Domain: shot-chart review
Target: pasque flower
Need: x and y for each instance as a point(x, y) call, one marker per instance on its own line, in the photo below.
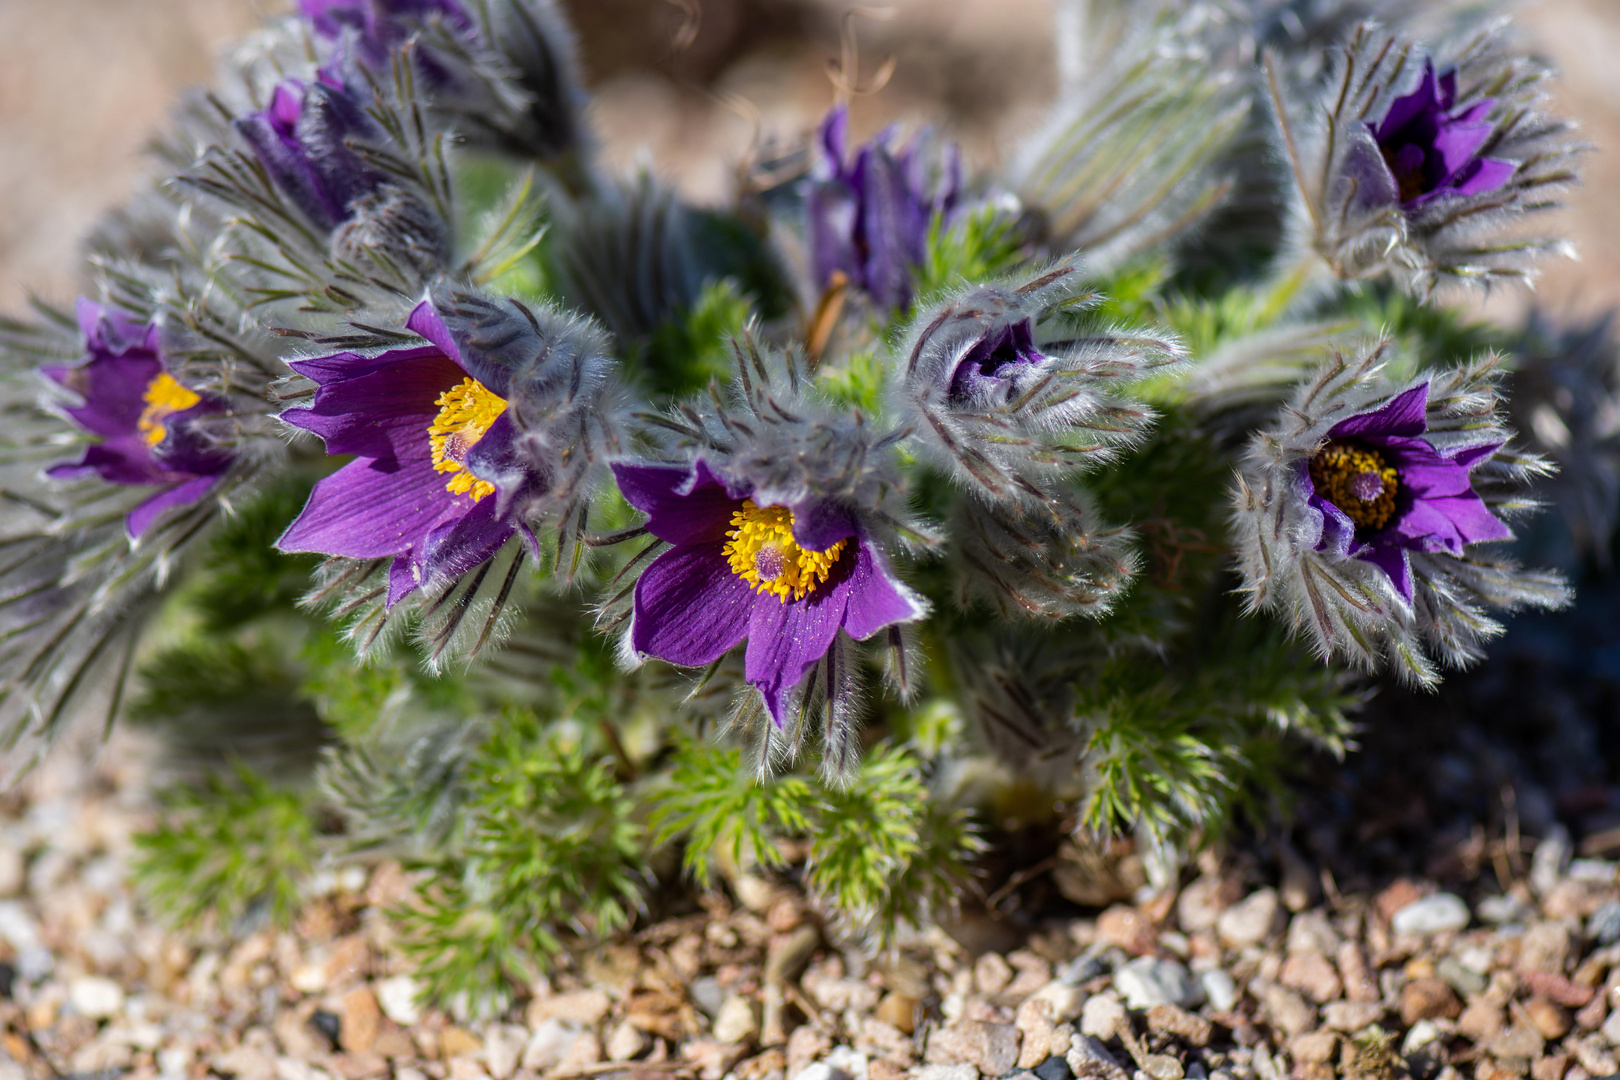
point(869, 215)
point(787, 578)
point(1009, 400)
point(301, 140)
point(1362, 515)
point(426, 425)
point(1383, 491)
point(144, 419)
point(1418, 172)
point(1431, 146)
point(376, 24)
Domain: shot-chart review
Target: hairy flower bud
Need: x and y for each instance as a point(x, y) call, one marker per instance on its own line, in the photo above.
point(1418, 171)
point(1007, 396)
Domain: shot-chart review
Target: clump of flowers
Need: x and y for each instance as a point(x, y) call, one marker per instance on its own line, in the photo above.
point(804, 532)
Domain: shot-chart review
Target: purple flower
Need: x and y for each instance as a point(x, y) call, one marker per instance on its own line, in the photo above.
point(301, 140)
point(426, 426)
point(1432, 149)
point(1382, 491)
point(786, 578)
point(142, 416)
point(869, 218)
point(377, 24)
point(995, 360)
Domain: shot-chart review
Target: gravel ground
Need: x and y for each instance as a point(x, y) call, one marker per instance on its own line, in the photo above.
point(1226, 977)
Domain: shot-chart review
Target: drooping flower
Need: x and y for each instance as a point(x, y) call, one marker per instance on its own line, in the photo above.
point(144, 419)
point(1364, 513)
point(785, 578)
point(426, 425)
point(1431, 146)
point(869, 215)
point(1008, 399)
point(301, 140)
point(1384, 491)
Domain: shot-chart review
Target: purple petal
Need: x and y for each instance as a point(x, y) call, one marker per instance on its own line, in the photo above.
point(114, 390)
point(425, 321)
point(786, 639)
point(690, 609)
point(180, 495)
point(369, 509)
point(1448, 523)
point(1394, 562)
point(347, 365)
point(834, 140)
point(403, 579)
point(381, 415)
point(1405, 109)
point(684, 504)
point(1457, 143)
point(831, 209)
point(818, 524)
point(124, 460)
point(456, 546)
point(1469, 456)
point(877, 599)
point(1402, 415)
point(1485, 174)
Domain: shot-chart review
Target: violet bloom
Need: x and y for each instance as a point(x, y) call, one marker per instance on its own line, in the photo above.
point(301, 142)
point(425, 424)
point(142, 415)
point(869, 218)
point(1432, 150)
point(1383, 491)
point(787, 579)
point(373, 27)
point(991, 363)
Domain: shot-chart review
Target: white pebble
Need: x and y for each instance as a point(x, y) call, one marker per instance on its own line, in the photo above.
point(95, 997)
point(397, 997)
point(1431, 915)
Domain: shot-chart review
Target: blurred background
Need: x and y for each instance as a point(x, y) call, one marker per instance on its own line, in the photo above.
point(686, 86)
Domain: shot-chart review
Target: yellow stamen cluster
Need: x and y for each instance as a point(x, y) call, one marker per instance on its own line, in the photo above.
point(763, 553)
point(164, 397)
point(466, 412)
point(1355, 479)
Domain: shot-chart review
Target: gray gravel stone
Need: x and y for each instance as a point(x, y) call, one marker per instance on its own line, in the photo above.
point(1149, 981)
point(1252, 920)
point(1604, 925)
point(1431, 915)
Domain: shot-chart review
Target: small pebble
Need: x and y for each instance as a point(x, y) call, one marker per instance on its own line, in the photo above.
point(1604, 925)
point(95, 997)
point(1053, 1068)
point(1150, 981)
point(1252, 920)
point(1220, 989)
point(1431, 915)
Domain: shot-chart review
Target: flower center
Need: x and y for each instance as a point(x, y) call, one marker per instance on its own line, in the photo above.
point(466, 412)
point(164, 397)
point(1355, 479)
point(763, 553)
point(1406, 164)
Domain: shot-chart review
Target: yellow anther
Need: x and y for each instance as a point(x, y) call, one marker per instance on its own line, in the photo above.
point(164, 397)
point(1355, 479)
point(466, 412)
point(763, 553)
